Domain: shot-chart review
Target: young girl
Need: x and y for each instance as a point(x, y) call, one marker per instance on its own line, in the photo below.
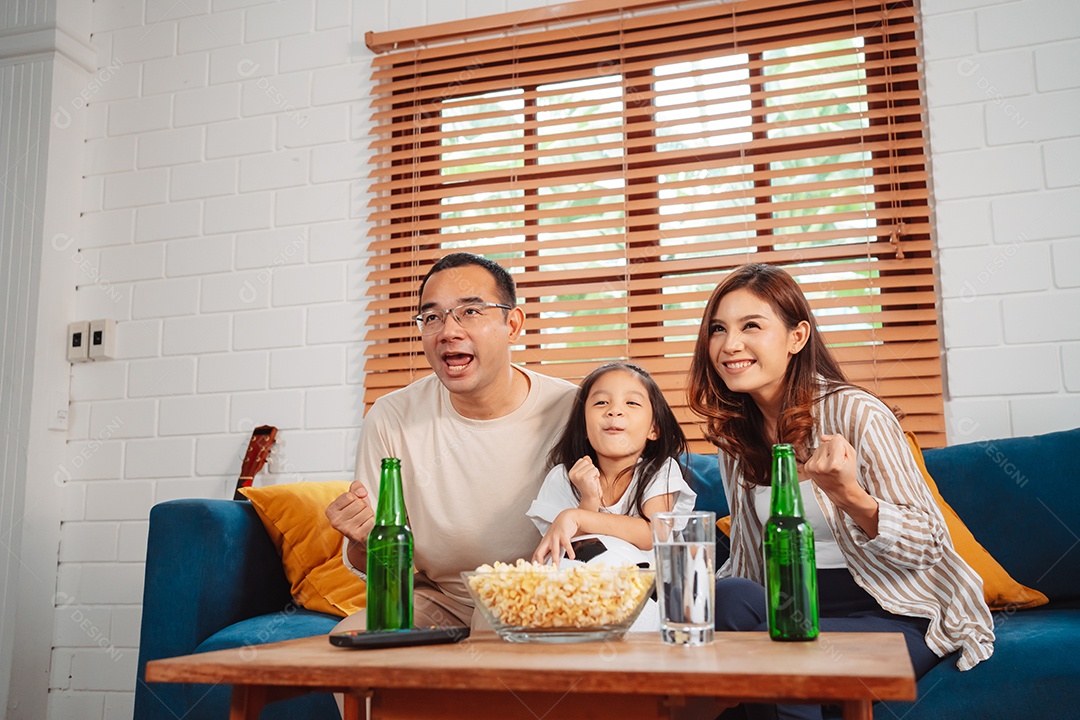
point(614, 465)
point(761, 375)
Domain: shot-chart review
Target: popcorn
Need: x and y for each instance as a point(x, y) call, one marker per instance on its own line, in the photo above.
point(543, 596)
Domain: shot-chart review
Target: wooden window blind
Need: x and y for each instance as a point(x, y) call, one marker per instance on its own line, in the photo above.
point(621, 164)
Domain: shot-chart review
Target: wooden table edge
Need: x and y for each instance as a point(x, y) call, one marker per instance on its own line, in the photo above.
point(228, 667)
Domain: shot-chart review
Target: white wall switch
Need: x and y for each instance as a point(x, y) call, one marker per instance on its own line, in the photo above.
point(78, 341)
point(58, 410)
point(102, 339)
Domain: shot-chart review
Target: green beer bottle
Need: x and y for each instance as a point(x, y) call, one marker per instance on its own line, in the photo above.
point(790, 572)
point(390, 557)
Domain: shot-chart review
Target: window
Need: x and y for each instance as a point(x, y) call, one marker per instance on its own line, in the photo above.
point(620, 165)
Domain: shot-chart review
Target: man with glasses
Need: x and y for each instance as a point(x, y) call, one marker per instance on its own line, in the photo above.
point(473, 440)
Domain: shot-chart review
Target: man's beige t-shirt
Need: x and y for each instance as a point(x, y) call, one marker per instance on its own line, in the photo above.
point(467, 483)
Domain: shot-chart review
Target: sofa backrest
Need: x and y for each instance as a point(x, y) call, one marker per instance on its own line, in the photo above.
point(1020, 497)
point(704, 472)
point(705, 480)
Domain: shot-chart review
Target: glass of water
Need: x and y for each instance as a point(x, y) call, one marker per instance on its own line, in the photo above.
point(685, 546)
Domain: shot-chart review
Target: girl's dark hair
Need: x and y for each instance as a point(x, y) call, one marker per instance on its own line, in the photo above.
point(733, 421)
point(670, 440)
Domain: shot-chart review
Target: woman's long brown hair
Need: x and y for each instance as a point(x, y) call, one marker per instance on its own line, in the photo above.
point(733, 421)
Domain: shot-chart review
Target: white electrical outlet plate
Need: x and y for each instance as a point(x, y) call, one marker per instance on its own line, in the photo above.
point(78, 341)
point(102, 339)
point(58, 410)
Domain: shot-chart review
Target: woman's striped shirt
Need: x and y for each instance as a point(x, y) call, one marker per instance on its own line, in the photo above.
point(910, 568)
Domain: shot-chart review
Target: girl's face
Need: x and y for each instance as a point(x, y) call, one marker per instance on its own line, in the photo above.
point(619, 416)
point(750, 347)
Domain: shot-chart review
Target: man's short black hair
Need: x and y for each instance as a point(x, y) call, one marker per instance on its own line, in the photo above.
point(504, 282)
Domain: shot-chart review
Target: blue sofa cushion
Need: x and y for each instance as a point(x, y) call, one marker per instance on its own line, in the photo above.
point(1015, 496)
point(212, 701)
point(289, 624)
point(1032, 673)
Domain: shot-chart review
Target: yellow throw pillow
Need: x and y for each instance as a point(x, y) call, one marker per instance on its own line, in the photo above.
point(294, 515)
point(999, 588)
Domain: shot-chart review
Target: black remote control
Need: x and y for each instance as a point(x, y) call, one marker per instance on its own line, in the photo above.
point(398, 638)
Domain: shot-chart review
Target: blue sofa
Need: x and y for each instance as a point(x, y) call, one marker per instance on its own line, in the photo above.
point(214, 580)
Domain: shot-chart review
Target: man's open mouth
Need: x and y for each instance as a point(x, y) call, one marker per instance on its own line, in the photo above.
point(457, 360)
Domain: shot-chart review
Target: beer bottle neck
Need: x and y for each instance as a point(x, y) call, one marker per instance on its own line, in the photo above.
point(786, 496)
point(391, 507)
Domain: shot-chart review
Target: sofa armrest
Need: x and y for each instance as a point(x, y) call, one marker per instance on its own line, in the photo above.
point(209, 564)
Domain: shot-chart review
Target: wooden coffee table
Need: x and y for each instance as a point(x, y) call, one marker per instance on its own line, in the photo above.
point(487, 677)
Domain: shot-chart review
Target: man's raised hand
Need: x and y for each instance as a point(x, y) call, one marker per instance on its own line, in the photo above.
point(351, 513)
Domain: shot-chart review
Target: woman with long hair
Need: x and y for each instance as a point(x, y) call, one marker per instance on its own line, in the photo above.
point(761, 375)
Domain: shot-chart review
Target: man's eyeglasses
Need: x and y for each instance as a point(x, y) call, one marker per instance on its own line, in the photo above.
point(432, 321)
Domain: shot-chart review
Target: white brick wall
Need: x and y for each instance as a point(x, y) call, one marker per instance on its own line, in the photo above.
point(171, 74)
point(158, 10)
point(166, 376)
point(166, 222)
point(280, 94)
point(224, 228)
point(1044, 215)
point(144, 187)
point(1003, 97)
point(284, 409)
point(202, 180)
point(233, 372)
point(139, 115)
point(1070, 361)
point(307, 367)
point(199, 256)
point(240, 137)
point(161, 457)
point(235, 291)
point(972, 323)
point(110, 155)
point(1061, 158)
point(206, 105)
point(1028, 23)
point(164, 298)
point(170, 147)
point(270, 171)
point(962, 223)
point(130, 500)
point(207, 32)
point(1055, 64)
point(242, 62)
point(107, 228)
point(239, 212)
point(122, 419)
point(1066, 261)
point(270, 249)
point(270, 329)
point(193, 416)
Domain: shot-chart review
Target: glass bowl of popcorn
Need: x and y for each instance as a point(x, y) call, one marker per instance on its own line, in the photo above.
point(531, 602)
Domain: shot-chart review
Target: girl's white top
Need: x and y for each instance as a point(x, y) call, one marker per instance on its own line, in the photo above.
point(557, 494)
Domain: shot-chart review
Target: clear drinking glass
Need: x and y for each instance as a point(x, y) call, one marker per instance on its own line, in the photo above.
point(685, 545)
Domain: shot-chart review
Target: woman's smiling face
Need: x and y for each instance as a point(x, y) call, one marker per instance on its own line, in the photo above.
point(750, 347)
